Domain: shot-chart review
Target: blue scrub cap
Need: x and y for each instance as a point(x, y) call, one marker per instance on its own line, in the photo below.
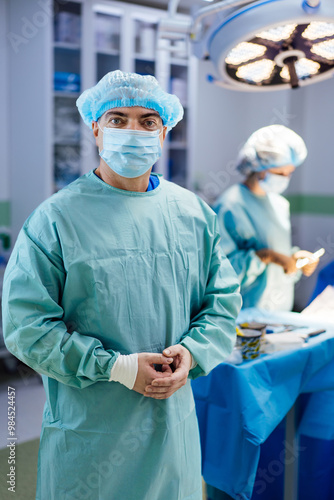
point(270, 147)
point(118, 89)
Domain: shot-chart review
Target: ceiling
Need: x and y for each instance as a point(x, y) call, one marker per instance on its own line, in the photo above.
point(185, 6)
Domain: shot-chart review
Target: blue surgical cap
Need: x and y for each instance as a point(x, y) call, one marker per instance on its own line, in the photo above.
point(119, 90)
point(270, 147)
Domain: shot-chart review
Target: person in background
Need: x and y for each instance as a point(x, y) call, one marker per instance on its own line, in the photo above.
point(118, 294)
point(254, 220)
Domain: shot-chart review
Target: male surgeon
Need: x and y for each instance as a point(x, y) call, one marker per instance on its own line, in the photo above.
point(118, 294)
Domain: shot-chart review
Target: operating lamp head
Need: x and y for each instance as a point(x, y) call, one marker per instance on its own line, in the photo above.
point(272, 44)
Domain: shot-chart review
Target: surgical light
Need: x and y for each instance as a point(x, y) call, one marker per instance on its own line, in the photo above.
point(317, 30)
point(261, 44)
point(245, 52)
point(324, 49)
point(304, 69)
point(283, 55)
point(278, 34)
point(257, 71)
point(267, 44)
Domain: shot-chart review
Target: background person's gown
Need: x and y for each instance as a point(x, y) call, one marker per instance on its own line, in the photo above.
point(98, 271)
point(247, 223)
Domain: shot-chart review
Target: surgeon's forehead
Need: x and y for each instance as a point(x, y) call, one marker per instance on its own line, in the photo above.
point(132, 112)
point(285, 169)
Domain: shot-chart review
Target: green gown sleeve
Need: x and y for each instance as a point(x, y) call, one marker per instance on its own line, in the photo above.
point(32, 317)
point(212, 331)
point(238, 243)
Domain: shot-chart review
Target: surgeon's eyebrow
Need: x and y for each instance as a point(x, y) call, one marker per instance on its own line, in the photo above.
point(120, 113)
point(152, 113)
point(115, 113)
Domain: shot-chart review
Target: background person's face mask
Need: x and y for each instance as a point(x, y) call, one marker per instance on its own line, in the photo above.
point(130, 153)
point(274, 183)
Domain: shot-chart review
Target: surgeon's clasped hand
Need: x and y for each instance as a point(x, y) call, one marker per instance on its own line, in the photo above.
point(164, 387)
point(147, 372)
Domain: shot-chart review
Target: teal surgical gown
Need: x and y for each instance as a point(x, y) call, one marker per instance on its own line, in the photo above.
point(248, 223)
point(97, 271)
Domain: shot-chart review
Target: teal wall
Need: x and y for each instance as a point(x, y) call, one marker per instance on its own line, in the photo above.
point(4, 213)
point(311, 204)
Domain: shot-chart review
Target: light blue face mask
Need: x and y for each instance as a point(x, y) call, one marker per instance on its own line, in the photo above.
point(130, 153)
point(274, 183)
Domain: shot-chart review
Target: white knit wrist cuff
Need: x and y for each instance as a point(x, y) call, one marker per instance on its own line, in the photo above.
point(125, 370)
point(193, 362)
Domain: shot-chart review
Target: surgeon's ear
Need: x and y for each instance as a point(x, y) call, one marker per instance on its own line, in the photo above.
point(162, 136)
point(95, 129)
point(164, 132)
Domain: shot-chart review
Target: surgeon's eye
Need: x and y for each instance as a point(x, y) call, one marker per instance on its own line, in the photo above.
point(151, 125)
point(115, 122)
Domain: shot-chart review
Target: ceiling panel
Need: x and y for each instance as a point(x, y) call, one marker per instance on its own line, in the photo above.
point(184, 5)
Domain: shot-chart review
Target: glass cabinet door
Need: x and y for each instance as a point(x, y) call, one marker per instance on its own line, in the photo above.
point(145, 44)
point(107, 43)
point(178, 136)
point(67, 87)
